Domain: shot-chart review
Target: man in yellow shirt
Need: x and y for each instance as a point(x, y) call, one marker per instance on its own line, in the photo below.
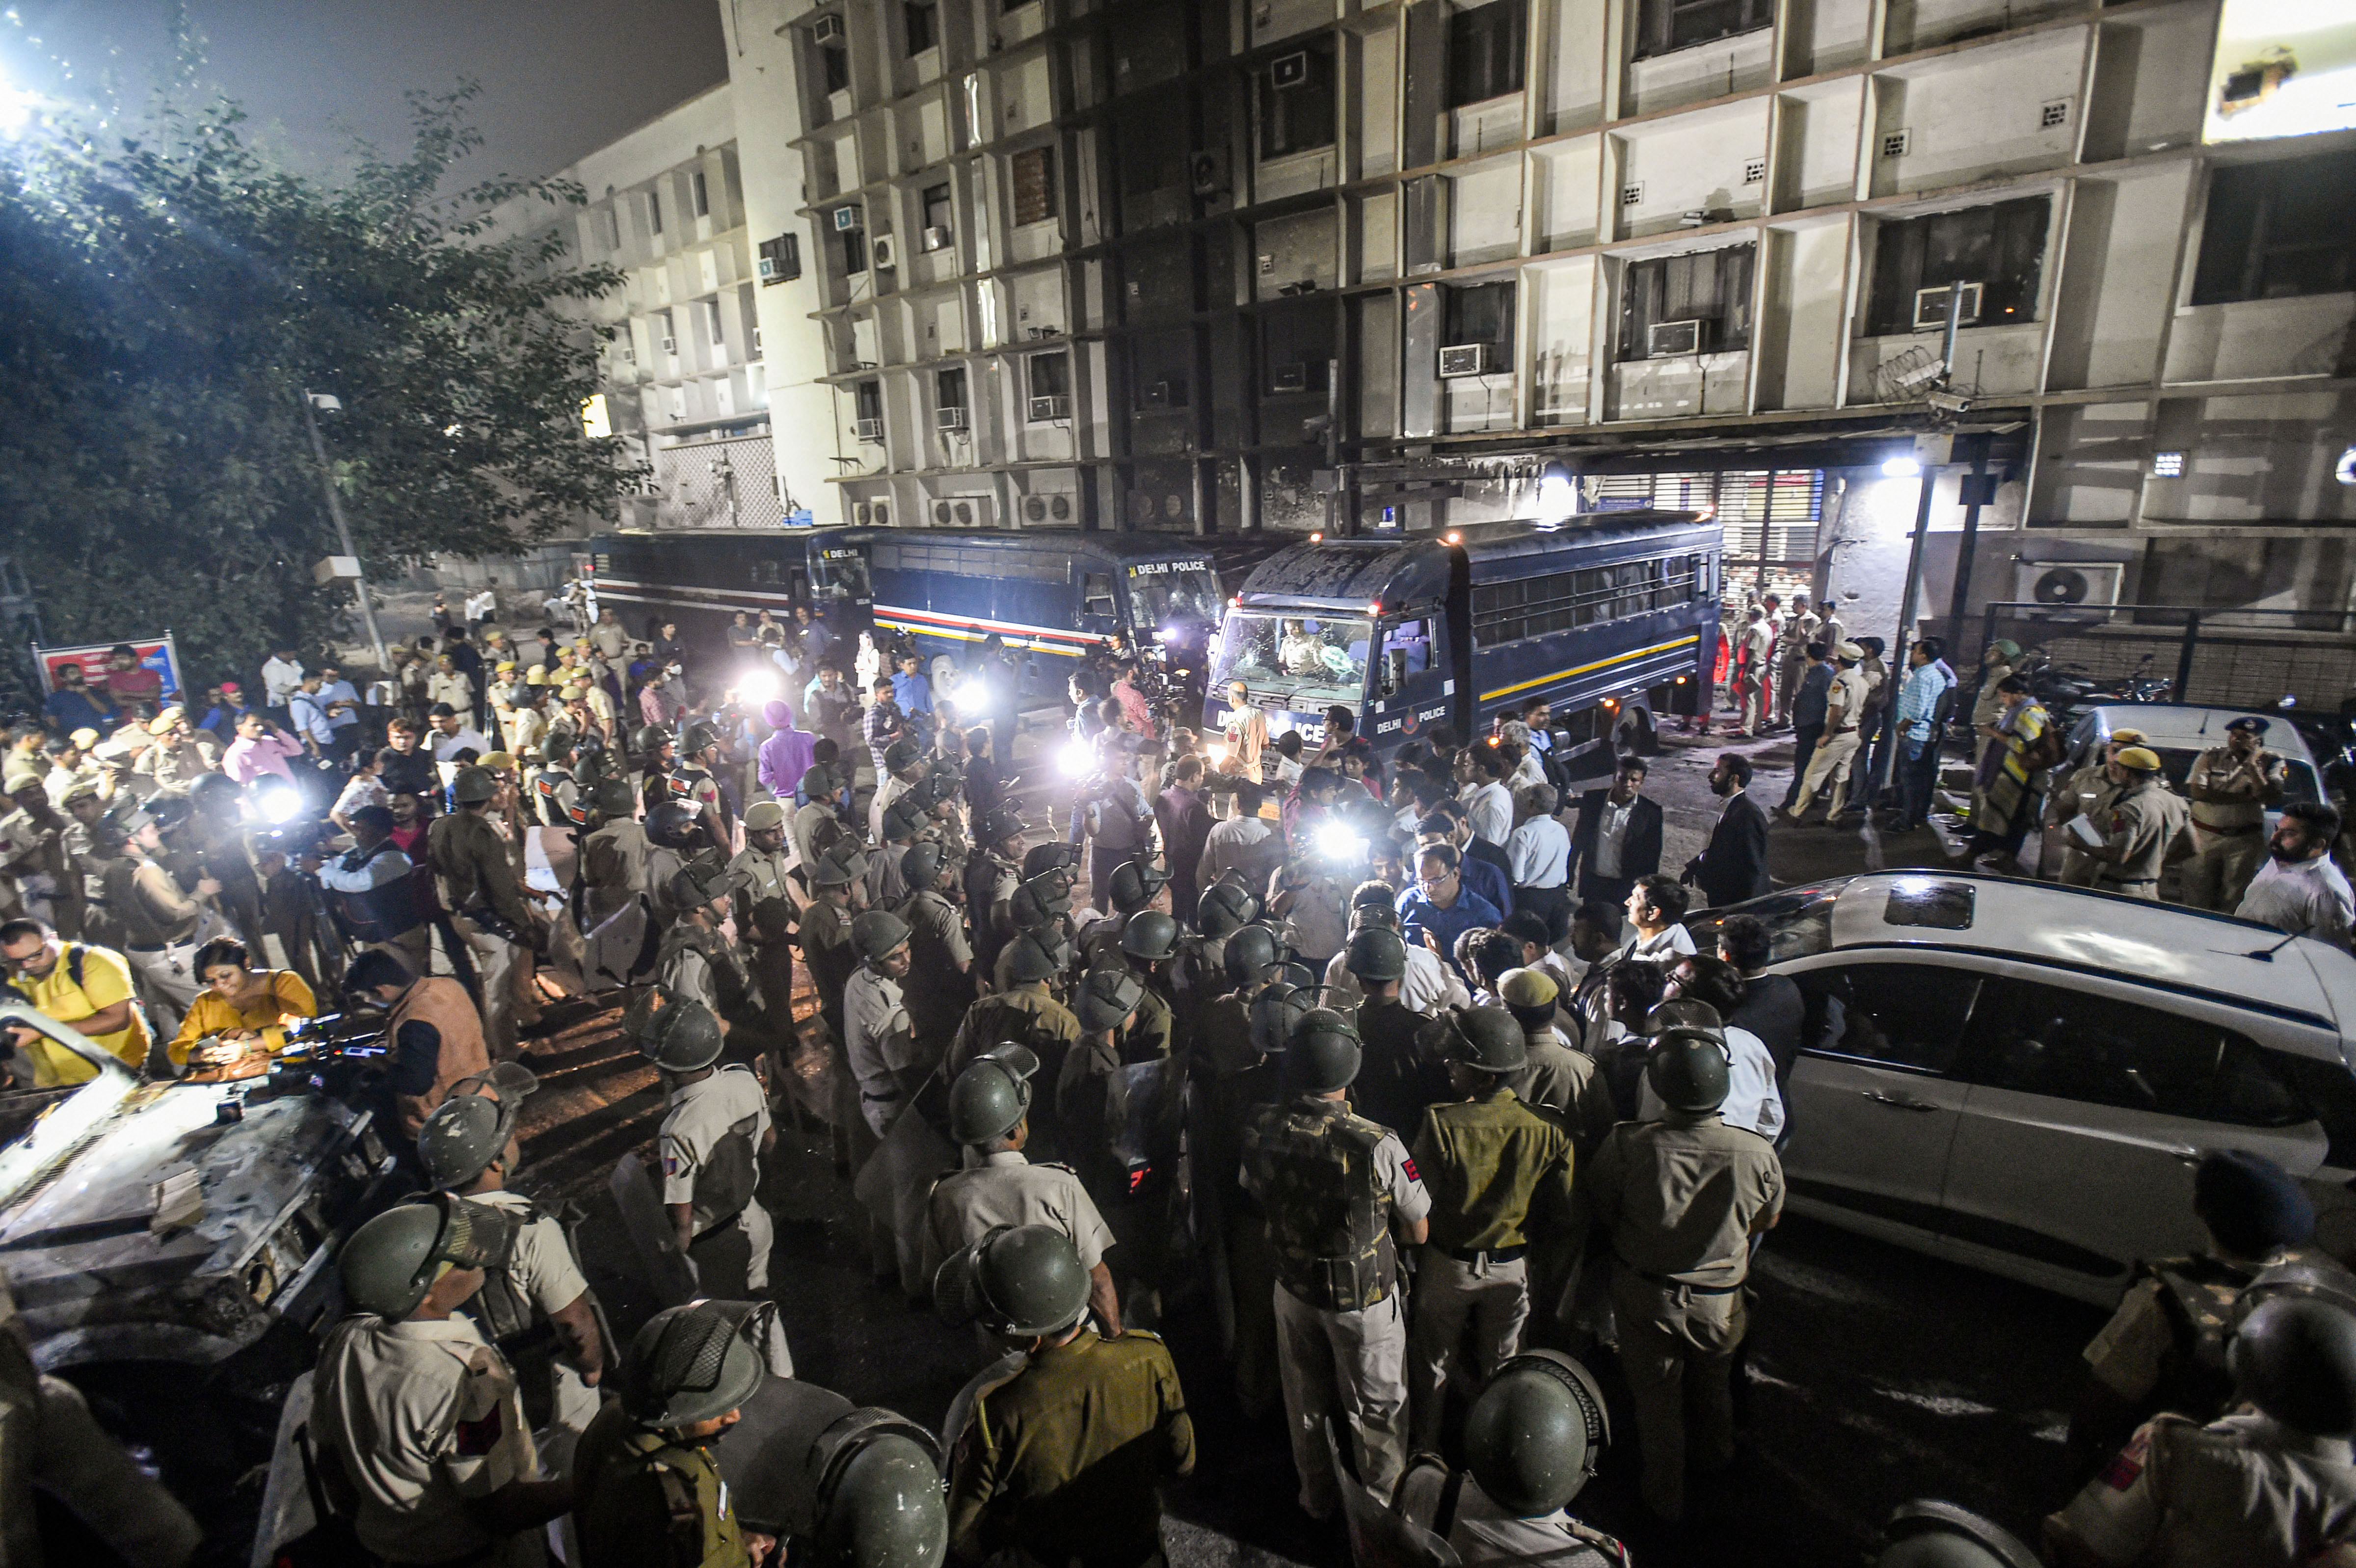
point(240, 1002)
point(88, 988)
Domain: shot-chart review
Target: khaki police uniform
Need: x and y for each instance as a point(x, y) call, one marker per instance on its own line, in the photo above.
point(425, 1418)
point(1565, 1079)
point(1028, 1015)
point(1678, 1199)
point(765, 919)
point(699, 966)
point(540, 1278)
point(1799, 628)
point(991, 881)
point(1061, 1462)
point(2229, 835)
point(877, 1044)
point(1341, 1335)
point(711, 1140)
point(646, 1502)
point(1482, 1533)
point(2145, 819)
point(1494, 1170)
point(1844, 733)
point(889, 787)
point(614, 867)
point(1008, 1188)
point(2088, 793)
point(937, 992)
point(486, 900)
point(2245, 1489)
point(825, 933)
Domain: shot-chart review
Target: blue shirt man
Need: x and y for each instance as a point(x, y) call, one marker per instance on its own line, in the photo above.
point(1440, 906)
point(1816, 689)
point(910, 689)
point(73, 705)
point(334, 690)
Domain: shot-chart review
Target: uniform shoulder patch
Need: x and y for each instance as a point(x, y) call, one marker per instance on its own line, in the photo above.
point(1054, 1165)
point(479, 1436)
point(1407, 1164)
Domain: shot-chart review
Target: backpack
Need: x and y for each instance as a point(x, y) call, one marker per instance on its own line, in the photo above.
point(2047, 751)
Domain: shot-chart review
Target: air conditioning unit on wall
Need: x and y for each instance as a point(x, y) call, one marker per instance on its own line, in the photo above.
point(1464, 359)
point(2065, 584)
point(1930, 306)
point(827, 30)
point(869, 431)
point(949, 417)
point(887, 254)
point(964, 512)
point(1044, 409)
point(1668, 339)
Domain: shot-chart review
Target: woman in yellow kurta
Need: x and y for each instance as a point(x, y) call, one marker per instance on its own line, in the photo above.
point(240, 1003)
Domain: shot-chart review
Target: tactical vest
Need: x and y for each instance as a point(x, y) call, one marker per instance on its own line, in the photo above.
point(548, 788)
point(2198, 1295)
point(697, 1530)
point(731, 984)
point(510, 1319)
point(1327, 1206)
point(730, 1173)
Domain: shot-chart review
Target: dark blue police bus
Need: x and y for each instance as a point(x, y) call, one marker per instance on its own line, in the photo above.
point(1611, 618)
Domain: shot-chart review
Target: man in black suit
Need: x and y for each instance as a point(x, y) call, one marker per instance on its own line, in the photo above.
point(1734, 866)
point(1618, 839)
point(1773, 1006)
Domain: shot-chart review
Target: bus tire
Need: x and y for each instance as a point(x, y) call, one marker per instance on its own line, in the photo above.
point(1636, 735)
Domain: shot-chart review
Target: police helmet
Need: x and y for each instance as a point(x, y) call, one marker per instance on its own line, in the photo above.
point(648, 739)
point(937, 789)
point(2295, 1359)
point(1224, 908)
point(673, 824)
point(474, 785)
point(1930, 1534)
point(821, 781)
point(1042, 899)
point(688, 1364)
point(1377, 954)
point(992, 1096)
point(1035, 955)
point(592, 768)
point(902, 755)
point(1023, 1281)
point(904, 819)
point(700, 884)
point(170, 816)
point(215, 789)
point(1150, 935)
point(389, 1263)
point(999, 826)
point(1488, 1039)
point(1687, 1066)
point(1056, 855)
point(1532, 1437)
point(840, 1486)
point(764, 817)
point(1274, 1012)
point(1321, 1054)
point(1252, 954)
point(700, 738)
point(843, 864)
point(682, 1036)
point(467, 1131)
point(615, 799)
point(878, 933)
point(920, 868)
point(1374, 916)
point(1106, 997)
point(1134, 884)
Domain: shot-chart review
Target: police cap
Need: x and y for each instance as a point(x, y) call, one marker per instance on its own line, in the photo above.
point(1223, 909)
point(1150, 935)
point(474, 785)
point(1377, 954)
point(1134, 884)
point(688, 1364)
point(920, 868)
point(1105, 1000)
point(1023, 1281)
point(764, 817)
point(1321, 1054)
point(992, 1096)
point(1488, 1039)
point(2295, 1359)
point(2247, 724)
point(673, 824)
point(878, 933)
point(1532, 1437)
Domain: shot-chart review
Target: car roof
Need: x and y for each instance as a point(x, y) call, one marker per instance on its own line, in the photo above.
point(2184, 727)
point(2166, 945)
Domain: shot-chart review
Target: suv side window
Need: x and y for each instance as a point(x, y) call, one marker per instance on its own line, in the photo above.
point(1095, 593)
point(2077, 1045)
point(1894, 1015)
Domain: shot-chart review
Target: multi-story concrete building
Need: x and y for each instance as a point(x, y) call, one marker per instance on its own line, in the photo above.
point(1160, 263)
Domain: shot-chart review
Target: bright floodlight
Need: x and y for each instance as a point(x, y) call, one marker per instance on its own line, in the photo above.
point(15, 108)
point(279, 805)
point(1902, 468)
point(1558, 498)
point(1336, 842)
point(759, 685)
point(1076, 758)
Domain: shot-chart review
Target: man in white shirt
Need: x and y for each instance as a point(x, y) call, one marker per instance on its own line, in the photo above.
point(1246, 840)
point(1488, 804)
point(282, 672)
point(452, 734)
point(1702, 990)
point(2299, 889)
point(483, 605)
point(1538, 853)
point(1655, 907)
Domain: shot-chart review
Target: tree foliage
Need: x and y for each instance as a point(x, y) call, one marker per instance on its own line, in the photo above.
point(166, 297)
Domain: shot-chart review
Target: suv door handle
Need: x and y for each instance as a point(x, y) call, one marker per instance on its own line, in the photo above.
point(1880, 1099)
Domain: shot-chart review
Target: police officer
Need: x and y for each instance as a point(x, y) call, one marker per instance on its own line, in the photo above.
point(1061, 1462)
point(904, 822)
point(991, 876)
point(651, 1495)
point(1497, 1173)
point(535, 1304)
point(2089, 792)
point(1042, 906)
point(614, 855)
point(766, 921)
point(1398, 1078)
point(2145, 821)
point(1025, 1011)
point(1135, 886)
point(421, 1412)
point(1559, 1077)
point(697, 962)
point(1532, 1442)
point(940, 961)
point(1149, 942)
point(877, 1040)
point(1338, 1194)
point(479, 887)
point(556, 791)
point(674, 834)
point(696, 781)
point(2276, 1486)
point(657, 751)
point(904, 764)
point(2231, 786)
point(818, 818)
point(1088, 1103)
point(1680, 1200)
point(712, 1138)
point(838, 886)
point(990, 1106)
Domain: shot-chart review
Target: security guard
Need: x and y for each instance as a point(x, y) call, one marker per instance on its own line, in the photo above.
point(1399, 1078)
point(1680, 1200)
point(2090, 793)
point(695, 780)
point(766, 918)
point(940, 961)
point(2231, 786)
point(1339, 1194)
point(838, 884)
point(614, 855)
point(1497, 1173)
point(992, 873)
point(478, 886)
point(535, 1304)
point(712, 1138)
point(697, 962)
point(2145, 821)
point(1560, 1078)
point(2272, 1487)
point(990, 1105)
point(1025, 1011)
point(1136, 886)
point(420, 1413)
point(651, 1495)
point(1532, 1442)
point(555, 792)
point(877, 1042)
point(1062, 1463)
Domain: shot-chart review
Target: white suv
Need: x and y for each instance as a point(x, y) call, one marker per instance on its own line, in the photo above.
point(2021, 1076)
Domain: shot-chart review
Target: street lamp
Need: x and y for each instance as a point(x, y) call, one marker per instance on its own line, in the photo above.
point(313, 405)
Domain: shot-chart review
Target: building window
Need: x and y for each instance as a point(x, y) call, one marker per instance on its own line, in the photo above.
point(1698, 303)
point(855, 249)
point(2278, 229)
point(703, 190)
point(781, 258)
point(1051, 375)
point(711, 322)
point(921, 20)
point(609, 229)
point(1480, 313)
point(1665, 26)
point(936, 217)
point(1034, 185)
point(1535, 607)
point(654, 212)
point(1999, 249)
point(1296, 100)
point(949, 388)
point(834, 67)
point(1485, 46)
point(867, 398)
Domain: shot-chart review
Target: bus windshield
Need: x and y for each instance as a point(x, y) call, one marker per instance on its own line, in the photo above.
point(1309, 661)
point(839, 574)
point(1177, 596)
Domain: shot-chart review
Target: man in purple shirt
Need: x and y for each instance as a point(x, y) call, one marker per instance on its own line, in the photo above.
point(784, 755)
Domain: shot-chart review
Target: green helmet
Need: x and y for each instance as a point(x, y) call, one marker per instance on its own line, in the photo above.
point(840, 1486)
point(2295, 1359)
point(1022, 1281)
point(1045, 896)
point(648, 739)
point(937, 789)
point(470, 1129)
point(474, 785)
point(1687, 1067)
point(1930, 1534)
point(1035, 955)
point(992, 1095)
point(821, 781)
point(1225, 909)
point(1150, 935)
point(614, 798)
point(1534, 1435)
point(1372, 916)
point(904, 819)
point(389, 1263)
point(1253, 953)
point(1274, 1012)
point(902, 755)
point(674, 824)
point(841, 865)
point(682, 1038)
point(1106, 997)
point(877, 935)
point(688, 1364)
point(700, 884)
point(590, 769)
point(1377, 954)
point(1322, 1054)
point(700, 738)
point(1488, 1039)
point(1134, 884)
point(920, 868)
point(1001, 825)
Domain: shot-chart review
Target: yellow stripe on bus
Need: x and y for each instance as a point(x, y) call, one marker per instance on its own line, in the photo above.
point(1586, 669)
point(1011, 640)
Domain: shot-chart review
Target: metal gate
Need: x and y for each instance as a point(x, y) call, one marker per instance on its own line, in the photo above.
point(2217, 659)
point(730, 483)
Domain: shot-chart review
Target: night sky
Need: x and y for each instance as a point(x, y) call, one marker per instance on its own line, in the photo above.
point(559, 76)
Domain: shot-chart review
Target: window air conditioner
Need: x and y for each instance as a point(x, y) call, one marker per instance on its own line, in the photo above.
point(1464, 359)
point(1289, 70)
point(827, 30)
point(768, 269)
point(1207, 172)
point(1294, 377)
point(1664, 339)
point(846, 218)
point(1930, 306)
point(868, 431)
point(937, 237)
point(1050, 408)
point(948, 417)
point(2067, 584)
point(671, 344)
point(886, 255)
